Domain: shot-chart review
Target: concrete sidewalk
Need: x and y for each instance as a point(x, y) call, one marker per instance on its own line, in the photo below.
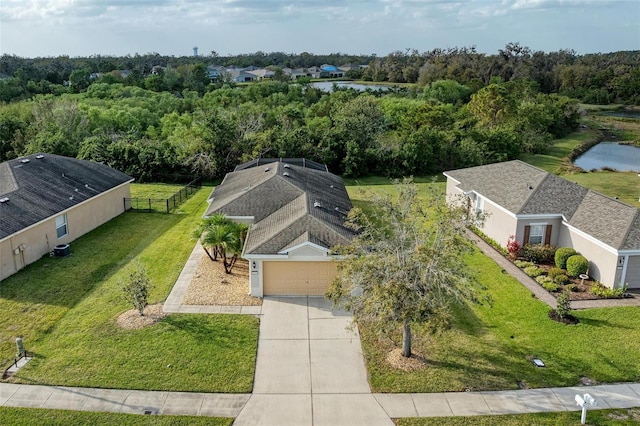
point(317, 409)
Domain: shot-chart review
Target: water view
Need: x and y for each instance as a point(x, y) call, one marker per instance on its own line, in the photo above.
point(327, 86)
point(623, 114)
point(612, 155)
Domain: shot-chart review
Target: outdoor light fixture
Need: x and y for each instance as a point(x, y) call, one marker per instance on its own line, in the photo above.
point(583, 401)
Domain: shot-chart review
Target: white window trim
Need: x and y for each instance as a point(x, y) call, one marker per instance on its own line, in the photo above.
point(544, 231)
point(64, 225)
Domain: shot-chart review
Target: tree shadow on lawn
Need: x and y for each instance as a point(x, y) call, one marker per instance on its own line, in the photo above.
point(95, 257)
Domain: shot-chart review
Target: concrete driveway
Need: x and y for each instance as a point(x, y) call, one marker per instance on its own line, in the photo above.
point(310, 369)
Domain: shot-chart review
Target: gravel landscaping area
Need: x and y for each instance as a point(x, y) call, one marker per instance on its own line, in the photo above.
point(212, 286)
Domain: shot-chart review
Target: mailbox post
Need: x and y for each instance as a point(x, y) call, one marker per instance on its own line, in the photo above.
point(584, 401)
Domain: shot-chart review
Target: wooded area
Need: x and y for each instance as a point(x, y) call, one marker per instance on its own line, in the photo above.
point(464, 109)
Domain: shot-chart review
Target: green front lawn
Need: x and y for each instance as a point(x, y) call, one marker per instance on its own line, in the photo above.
point(31, 416)
point(66, 311)
point(491, 346)
point(617, 417)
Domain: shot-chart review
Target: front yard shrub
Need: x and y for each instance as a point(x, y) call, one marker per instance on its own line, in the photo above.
point(561, 256)
point(572, 287)
point(533, 271)
point(561, 279)
point(577, 264)
point(513, 247)
point(523, 263)
point(538, 253)
point(547, 283)
point(605, 292)
point(563, 305)
point(554, 272)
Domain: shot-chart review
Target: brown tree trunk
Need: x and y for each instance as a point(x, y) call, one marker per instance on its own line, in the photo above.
point(406, 339)
point(208, 254)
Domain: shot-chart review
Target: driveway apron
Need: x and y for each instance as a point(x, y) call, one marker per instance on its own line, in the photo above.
point(310, 368)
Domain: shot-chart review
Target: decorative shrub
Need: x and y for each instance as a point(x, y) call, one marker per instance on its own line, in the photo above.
point(607, 293)
point(572, 287)
point(523, 263)
point(563, 305)
point(541, 279)
point(551, 287)
point(561, 279)
point(538, 253)
point(533, 271)
point(561, 256)
point(554, 272)
point(577, 264)
point(513, 247)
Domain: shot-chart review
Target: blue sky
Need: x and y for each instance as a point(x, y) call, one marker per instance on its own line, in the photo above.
point(32, 28)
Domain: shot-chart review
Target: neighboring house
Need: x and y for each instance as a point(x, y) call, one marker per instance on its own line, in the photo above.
point(214, 72)
point(541, 208)
point(48, 200)
point(295, 210)
point(262, 73)
point(334, 72)
point(240, 76)
point(317, 72)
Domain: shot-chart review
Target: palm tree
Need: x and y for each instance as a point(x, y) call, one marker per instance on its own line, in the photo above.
point(224, 237)
point(203, 229)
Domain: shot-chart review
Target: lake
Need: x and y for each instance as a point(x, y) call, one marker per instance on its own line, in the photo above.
point(623, 114)
point(613, 155)
point(327, 86)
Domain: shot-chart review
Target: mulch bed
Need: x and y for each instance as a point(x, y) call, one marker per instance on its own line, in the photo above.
point(567, 319)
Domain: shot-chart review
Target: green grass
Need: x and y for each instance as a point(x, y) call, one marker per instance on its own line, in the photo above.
point(479, 352)
point(159, 191)
point(32, 416)
point(624, 185)
point(554, 159)
point(66, 309)
point(609, 417)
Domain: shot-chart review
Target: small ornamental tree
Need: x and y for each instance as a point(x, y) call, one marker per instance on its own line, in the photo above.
point(136, 288)
point(513, 247)
point(577, 265)
point(563, 305)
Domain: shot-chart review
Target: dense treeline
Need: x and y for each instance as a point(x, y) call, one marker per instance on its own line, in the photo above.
point(151, 134)
point(592, 78)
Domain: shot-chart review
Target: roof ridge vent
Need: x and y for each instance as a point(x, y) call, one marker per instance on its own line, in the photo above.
point(317, 204)
point(266, 169)
point(4, 200)
point(286, 166)
point(25, 160)
point(286, 174)
point(40, 156)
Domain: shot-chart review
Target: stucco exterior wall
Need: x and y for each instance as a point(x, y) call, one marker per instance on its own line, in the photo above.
point(602, 262)
point(556, 225)
point(40, 239)
point(498, 224)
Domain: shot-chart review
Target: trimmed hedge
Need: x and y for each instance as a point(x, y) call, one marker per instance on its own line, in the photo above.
point(561, 256)
point(576, 265)
point(538, 253)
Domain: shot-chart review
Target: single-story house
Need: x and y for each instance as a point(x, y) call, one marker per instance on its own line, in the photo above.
point(541, 208)
point(295, 209)
point(240, 76)
point(47, 201)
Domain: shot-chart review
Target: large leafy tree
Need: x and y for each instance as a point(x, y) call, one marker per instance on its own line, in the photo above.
point(406, 264)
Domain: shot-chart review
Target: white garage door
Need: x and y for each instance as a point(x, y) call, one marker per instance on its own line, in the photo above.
point(297, 278)
point(633, 272)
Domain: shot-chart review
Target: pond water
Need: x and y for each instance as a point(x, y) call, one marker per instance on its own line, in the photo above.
point(327, 86)
point(613, 155)
point(623, 114)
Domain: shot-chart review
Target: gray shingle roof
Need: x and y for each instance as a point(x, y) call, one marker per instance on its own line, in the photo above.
point(527, 190)
point(291, 204)
point(48, 184)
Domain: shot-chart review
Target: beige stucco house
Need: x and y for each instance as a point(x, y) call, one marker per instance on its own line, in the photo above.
point(541, 208)
point(295, 210)
point(47, 201)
